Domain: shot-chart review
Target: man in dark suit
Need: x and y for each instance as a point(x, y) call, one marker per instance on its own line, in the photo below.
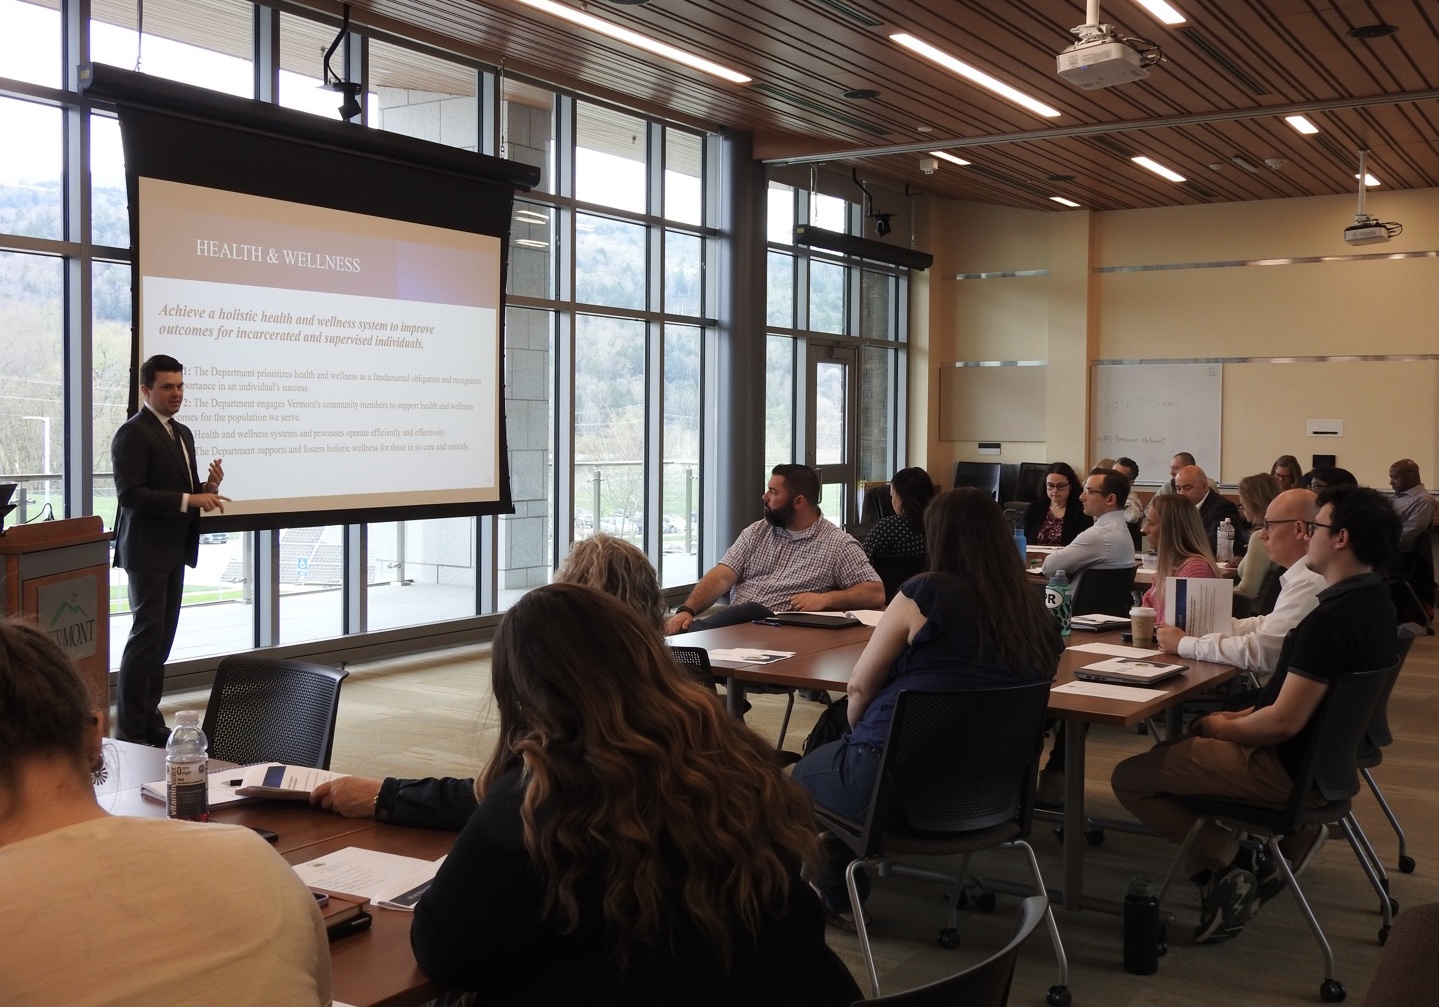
point(1193, 484)
point(157, 533)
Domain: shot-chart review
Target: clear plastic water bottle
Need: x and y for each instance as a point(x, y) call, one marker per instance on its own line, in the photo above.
point(1057, 598)
point(1142, 936)
point(1225, 541)
point(1021, 544)
point(187, 769)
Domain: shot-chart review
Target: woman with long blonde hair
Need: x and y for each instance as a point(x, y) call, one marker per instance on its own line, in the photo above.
point(1172, 522)
point(633, 843)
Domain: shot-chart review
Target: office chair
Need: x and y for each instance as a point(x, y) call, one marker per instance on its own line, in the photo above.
point(271, 710)
point(956, 777)
point(696, 661)
point(983, 985)
point(1328, 767)
point(895, 570)
point(980, 475)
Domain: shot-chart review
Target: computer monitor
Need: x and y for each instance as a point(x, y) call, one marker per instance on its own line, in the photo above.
point(981, 475)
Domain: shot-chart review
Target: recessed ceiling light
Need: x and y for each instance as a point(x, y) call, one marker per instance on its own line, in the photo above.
point(1162, 11)
point(1065, 202)
point(1368, 31)
point(948, 157)
point(1369, 180)
point(1158, 169)
point(963, 69)
point(1302, 124)
point(634, 38)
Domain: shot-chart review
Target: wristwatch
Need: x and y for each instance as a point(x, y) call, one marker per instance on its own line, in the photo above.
point(687, 610)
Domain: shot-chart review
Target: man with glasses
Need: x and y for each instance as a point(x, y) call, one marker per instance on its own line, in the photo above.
point(1253, 755)
point(1253, 644)
point(1106, 544)
point(1195, 487)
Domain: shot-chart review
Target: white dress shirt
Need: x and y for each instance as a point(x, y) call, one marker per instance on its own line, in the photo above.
point(1105, 545)
point(1253, 644)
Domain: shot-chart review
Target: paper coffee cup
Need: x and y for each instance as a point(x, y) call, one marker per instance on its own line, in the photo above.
point(1141, 620)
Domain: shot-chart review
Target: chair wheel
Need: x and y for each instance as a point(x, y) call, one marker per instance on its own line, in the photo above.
point(985, 903)
point(1383, 936)
point(1058, 996)
point(949, 938)
point(1393, 906)
point(1094, 837)
point(1406, 865)
point(1331, 991)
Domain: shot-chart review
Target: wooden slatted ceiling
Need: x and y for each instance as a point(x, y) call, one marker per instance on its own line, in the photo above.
point(1231, 54)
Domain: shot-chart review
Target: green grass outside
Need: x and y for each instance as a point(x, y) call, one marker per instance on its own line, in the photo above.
point(199, 594)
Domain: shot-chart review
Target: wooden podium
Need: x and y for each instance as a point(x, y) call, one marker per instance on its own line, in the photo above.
point(56, 574)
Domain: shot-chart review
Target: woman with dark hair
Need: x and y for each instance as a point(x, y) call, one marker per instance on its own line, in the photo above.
point(1058, 516)
point(633, 844)
point(1287, 471)
point(98, 909)
point(902, 533)
point(1172, 524)
point(972, 621)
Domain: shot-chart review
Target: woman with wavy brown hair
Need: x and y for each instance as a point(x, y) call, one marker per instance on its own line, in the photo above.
point(1172, 523)
point(633, 843)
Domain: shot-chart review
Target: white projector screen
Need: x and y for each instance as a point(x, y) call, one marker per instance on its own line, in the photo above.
point(335, 361)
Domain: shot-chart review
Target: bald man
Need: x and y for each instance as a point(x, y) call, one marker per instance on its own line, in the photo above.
point(1412, 502)
point(1193, 485)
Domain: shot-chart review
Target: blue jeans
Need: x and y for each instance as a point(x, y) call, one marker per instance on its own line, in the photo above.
point(840, 776)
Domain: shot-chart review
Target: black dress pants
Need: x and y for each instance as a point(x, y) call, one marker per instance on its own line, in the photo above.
point(155, 610)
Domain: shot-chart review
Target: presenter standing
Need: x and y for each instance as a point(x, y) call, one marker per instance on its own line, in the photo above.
point(157, 534)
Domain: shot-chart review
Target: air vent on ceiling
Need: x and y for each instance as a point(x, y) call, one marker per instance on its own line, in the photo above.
point(1199, 190)
point(1112, 146)
point(1344, 157)
point(1223, 62)
point(857, 16)
point(1003, 179)
point(818, 109)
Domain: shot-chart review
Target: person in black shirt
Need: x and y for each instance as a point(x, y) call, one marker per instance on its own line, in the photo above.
point(1252, 755)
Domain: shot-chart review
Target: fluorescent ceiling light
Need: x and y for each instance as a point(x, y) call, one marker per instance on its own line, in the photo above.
point(1369, 180)
point(1065, 202)
point(532, 216)
point(1162, 11)
point(947, 157)
point(1158, 169)
point(1302, 124)
point(634, 38)
point(963, 69)
point(532, 243)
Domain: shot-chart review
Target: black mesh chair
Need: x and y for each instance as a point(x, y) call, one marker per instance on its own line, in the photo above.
point(1104, 592)
point(1371, 753)
point(1328, 769)
point(696, 661)
point(895, 570)
point(983, 985)
point(956, 777)
point(269, 710)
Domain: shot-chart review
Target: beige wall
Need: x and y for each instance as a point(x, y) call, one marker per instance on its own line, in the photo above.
point(1074, 314)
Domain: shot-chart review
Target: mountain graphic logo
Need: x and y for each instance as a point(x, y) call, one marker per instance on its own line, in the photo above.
point(68, 610)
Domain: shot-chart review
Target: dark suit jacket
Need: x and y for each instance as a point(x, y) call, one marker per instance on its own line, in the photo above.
point(1075, 520)
point(151, 532)
point(1213, 511)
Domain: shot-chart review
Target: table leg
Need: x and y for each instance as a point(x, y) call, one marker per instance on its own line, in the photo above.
point(734, 698)
point(1072, 874)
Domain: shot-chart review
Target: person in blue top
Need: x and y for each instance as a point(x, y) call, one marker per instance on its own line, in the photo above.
point(971, 621)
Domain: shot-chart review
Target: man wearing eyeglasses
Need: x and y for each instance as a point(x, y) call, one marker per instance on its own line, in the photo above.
point(1254, 755)
point(1254, 644)
point(1106, 544)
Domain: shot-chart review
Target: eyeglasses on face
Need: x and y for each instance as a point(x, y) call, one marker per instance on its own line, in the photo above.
point(1309, 526)
point(1270, 525)
point(1056, 486)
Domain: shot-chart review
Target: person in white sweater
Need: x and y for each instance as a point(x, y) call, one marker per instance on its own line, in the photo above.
point(102, 911)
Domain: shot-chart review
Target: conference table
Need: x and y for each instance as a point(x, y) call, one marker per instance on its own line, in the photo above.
point(824, 658)
point(372, 968)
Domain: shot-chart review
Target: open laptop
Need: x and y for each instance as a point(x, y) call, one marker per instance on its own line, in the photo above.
point(1129, 671)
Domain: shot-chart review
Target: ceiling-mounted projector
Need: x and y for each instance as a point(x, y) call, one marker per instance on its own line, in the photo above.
point(1092, 65)
point(1367, 230)
point(1102, 57)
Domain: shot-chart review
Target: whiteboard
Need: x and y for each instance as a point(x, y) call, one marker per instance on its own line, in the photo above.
point(1151, 412)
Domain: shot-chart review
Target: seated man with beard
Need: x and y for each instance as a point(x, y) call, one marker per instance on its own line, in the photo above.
point(791, 561)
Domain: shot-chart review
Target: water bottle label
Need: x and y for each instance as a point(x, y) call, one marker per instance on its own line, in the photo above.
point(181, 773)
point(187, 792)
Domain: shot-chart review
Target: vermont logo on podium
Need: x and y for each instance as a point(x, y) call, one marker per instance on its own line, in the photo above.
point(65, 611)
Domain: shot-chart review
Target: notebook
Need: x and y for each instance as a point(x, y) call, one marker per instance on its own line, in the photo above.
point(1129, 671)
point(822, 620)
point(1099, 623)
